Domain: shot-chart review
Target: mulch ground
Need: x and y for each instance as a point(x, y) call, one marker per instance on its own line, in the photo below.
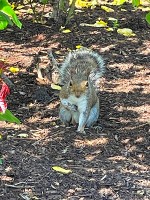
point(111, 161)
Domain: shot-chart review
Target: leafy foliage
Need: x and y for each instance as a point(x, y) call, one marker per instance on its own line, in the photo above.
point(8, 116)
point(5, 114)
point(7, 15)
point(148, 18)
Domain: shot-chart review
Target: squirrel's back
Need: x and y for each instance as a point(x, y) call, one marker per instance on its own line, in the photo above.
point(82, 62)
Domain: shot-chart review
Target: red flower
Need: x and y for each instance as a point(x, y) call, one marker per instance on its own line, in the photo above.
point(3, 94)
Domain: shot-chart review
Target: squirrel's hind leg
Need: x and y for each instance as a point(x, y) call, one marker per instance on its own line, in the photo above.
point(94, 114)
point(65, 115)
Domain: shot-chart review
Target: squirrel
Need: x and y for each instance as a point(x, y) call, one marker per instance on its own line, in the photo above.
point(79, 103)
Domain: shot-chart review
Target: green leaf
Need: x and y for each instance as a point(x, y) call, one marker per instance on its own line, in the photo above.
point(70, 11)
point(148, 18)
point(6, 17)
point(135, 3)
point(44, 1)
point(7, 10)
point(9, 117)
point(3, 23)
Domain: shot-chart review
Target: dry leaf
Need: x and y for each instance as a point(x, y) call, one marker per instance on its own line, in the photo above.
point(55, 87)
point(23, 135)
point(66, 31)
point(107, 9)
point(109, 29)
point(126, 32)
point(61, 170)
point(82, 4)
point(101, 23)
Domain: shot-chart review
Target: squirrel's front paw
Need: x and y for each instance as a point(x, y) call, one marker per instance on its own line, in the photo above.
point(81, 130)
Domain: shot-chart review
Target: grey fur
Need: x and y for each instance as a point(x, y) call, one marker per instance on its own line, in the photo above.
point(90, 60)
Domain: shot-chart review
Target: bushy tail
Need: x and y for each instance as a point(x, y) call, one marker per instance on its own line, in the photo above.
point(87, 61)
point(83, 61)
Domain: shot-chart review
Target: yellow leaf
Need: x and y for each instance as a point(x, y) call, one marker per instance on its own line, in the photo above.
point(1, 136)
point(13, 5)
point(101, 23)
point(17, 12)
point(118, 2)
point(83, 4)
point(14, 69)
point(79, 46)
point(66, 31)
point(61, 170)
point(126, 32)
point(109, 29)
point(55, 87)
point(20, 6)
point(107, 9)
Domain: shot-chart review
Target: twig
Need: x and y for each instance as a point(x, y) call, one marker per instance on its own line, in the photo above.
point(18, 187)
point(25, 139)
point(81, 195)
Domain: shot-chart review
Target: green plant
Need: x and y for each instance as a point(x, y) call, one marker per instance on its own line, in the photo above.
point(5, 114)
point(7, 15)
point(63, 10)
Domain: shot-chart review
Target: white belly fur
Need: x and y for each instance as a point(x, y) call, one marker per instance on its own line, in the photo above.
point(80, 102)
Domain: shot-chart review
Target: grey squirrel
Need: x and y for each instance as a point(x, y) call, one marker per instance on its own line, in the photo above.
point(79, 102)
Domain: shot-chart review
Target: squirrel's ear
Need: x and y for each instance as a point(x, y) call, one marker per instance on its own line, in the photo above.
point(86, 84)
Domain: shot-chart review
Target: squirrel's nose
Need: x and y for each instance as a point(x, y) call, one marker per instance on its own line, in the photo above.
point(78, 95)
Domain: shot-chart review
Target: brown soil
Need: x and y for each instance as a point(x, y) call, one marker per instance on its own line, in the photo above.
point(110, 162)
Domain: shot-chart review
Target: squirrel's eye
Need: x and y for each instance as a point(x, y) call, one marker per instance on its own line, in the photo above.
point(71, 83)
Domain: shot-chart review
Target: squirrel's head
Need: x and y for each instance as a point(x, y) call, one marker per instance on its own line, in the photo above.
point(77, 87)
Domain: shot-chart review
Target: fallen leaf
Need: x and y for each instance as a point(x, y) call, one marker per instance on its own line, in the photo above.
point(126, 32)
point(14, 69)
point(55, 87)
point(83, 4)
point(61, 170)
point(23, 135)
point(118, 2)
point(101, 23)
point(109, 29)
point(79, 46)
point(66, 31)
point(107, 9)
